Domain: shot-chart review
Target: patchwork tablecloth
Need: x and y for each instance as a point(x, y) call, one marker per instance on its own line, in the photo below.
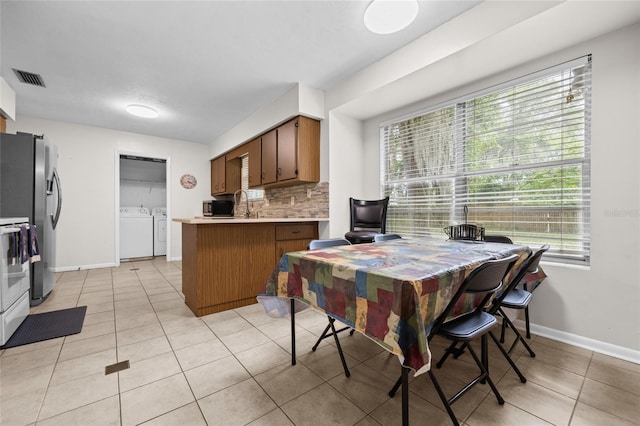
point(391, 291)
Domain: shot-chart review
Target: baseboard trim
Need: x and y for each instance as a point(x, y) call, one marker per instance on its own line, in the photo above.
point(83, 267)
point(605, 348)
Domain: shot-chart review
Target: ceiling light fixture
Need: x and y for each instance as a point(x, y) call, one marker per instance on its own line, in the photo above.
point(390, 16)
point(142, 111)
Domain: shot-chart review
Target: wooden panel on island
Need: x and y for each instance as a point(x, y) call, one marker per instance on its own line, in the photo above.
point(225, 265)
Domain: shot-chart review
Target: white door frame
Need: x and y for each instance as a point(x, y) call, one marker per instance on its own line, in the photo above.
point(116, 212)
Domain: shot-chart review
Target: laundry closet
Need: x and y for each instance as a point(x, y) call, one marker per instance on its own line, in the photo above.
point(143, 207)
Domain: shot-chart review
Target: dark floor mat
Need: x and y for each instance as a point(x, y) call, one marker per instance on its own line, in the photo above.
point(48, 325)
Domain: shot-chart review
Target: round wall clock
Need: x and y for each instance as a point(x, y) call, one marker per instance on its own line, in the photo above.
point(188, 181)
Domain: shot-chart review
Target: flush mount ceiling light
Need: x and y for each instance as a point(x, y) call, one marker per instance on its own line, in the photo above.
point(142, 111)
point(390, 16)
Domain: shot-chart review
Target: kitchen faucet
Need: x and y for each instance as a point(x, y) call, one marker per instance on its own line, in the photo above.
point(248, 212)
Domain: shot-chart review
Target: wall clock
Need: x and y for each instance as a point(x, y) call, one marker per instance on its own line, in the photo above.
point(188, 181)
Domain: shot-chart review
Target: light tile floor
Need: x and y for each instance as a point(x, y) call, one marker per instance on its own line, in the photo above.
point(233, 368)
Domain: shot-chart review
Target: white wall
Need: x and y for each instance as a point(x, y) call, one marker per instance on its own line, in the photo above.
point(143, 194)
point(597, 306)
point(345, 170)
point(86, 236)
point(299, 100)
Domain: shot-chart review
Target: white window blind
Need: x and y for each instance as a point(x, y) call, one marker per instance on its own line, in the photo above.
point(518, 156)
point(253, 194)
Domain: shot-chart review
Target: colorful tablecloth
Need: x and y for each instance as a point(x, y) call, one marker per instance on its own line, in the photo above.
point(391, 291)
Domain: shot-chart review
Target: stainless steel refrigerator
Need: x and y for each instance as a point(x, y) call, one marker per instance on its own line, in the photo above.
point(30, 187)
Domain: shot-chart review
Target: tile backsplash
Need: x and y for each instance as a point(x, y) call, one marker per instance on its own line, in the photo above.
point(307, 200)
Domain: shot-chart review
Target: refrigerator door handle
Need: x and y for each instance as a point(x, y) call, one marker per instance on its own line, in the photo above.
point(54, 219)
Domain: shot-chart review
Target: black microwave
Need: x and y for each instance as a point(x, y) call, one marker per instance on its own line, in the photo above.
point(223, 208)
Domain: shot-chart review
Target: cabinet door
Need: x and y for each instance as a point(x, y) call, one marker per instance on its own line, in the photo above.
point(218, 175)
point(283, 247)
point(255, 163)
point(269, 157)
point(288, 151)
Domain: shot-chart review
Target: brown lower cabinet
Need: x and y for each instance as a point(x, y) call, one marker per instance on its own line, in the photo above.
point(225, 265)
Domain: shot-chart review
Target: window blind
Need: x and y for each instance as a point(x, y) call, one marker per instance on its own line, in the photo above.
point(253, 194)
point(517, 155)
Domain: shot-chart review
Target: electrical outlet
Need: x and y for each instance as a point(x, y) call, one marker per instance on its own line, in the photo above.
point(266, 202)
point(308, 192)
point(293, 200)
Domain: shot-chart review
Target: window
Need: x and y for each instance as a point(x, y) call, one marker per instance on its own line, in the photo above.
point(253, 194)
point(517, 156)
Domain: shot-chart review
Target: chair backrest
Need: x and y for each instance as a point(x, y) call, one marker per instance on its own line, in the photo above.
point(534, 258)
point(370, 214)
point(533, 266)
point(332, 242)
point(385, 237)
point(498, 239)
point(485, 278)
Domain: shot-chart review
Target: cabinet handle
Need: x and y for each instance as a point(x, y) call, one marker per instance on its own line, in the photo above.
point(295, 232)
point(279, 171)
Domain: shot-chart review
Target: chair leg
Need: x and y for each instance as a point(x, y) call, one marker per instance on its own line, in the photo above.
point(519, 337)
point(503, 329)
point(508, 358)
point(484, 354)
point(459, 351)
point(485, 375)
point(395, 387)
point(405, 386)
point(443, 398)
point(526, 319)
point(335, 336)
point(446, 354)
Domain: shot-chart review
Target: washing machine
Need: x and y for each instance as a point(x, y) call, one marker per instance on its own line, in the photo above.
point(136, 232)
point(159, 231)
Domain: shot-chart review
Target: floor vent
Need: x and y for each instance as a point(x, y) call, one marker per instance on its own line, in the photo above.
point(114, 368)
point(29, 78)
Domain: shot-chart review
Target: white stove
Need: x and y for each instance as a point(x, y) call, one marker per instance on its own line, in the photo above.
point(14, 277)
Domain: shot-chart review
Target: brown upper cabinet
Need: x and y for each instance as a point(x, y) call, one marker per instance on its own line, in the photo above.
point(291, 153)
point(269, 157)
point(255, 163)
point(284, 156)
point(225, 175)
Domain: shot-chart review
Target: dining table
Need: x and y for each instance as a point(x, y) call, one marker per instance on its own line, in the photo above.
point(392, 292)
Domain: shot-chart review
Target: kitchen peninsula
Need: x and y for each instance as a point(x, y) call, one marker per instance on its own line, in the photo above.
point(226, 261)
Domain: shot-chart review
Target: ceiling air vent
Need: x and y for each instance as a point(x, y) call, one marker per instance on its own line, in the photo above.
point(29, 78)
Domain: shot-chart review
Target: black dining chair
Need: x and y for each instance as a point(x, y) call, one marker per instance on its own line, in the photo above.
point(506, 240)
point(386, 237)
point(320, 244)
point(533, 268)
point(368, 218)
point(484, 279)
point(517, 298)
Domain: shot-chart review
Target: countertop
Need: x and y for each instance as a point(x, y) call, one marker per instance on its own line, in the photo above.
point(200, 220)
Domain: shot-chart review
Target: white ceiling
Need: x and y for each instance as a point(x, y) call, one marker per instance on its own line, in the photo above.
point(205, 65)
